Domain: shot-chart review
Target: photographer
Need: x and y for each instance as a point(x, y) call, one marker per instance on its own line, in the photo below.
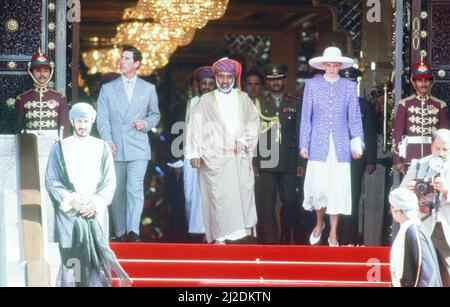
point(437, 223)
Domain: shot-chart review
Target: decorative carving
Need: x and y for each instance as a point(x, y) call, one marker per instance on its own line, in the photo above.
point(51, 7)
point(254, 47)
point(51, 26)
point(27, 37)
point(441, 90)
point(13, 85)
point(349, 15)
point(440, 40)
point(10, 102)
point(12, 25)
point(17, 47)
point(416, 33)
point(12, 65)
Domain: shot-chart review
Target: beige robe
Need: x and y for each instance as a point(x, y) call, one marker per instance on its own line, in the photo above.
point(226, 179)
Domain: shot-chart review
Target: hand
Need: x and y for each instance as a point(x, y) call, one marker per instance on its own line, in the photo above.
point(196, 163)
point(411, 186)
point(399, 167)
point(240, 147)
point(440, 185)
point(304, 153)
point(356, 156)
point(112, 147)
point(88, 210)
point(139, 124)
point(178, 172)
point(256, 171)
point(370, 168)
point(300, 171)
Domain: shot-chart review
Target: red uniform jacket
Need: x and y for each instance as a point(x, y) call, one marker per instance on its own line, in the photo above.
point(43, 110)
point(416, 119)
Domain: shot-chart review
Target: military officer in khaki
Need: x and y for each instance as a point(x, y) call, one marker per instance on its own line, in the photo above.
point(416, 118)
point(278, 162)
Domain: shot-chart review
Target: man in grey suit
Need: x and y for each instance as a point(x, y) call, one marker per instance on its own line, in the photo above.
point(127, 110)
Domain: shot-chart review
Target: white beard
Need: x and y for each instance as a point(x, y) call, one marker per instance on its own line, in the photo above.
point(223, 90)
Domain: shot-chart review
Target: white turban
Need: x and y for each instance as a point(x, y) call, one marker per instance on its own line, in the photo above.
point(81, 110)
point(405, 200)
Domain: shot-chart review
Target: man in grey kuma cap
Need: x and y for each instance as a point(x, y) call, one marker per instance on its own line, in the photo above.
point(80, 179)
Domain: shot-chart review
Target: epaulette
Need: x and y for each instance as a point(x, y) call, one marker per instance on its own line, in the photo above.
point(442, 102)
point(20, 95)
point(405, 100)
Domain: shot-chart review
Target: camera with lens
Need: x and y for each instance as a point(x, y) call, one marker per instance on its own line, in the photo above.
point(423, 186)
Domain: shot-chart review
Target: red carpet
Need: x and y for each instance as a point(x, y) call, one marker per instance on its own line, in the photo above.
point(201, 265)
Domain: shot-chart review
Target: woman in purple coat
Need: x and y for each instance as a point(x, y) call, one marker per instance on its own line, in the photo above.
point(331, 133)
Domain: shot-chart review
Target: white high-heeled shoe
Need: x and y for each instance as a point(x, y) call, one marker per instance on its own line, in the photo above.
point(316, 240)
point(331, 244)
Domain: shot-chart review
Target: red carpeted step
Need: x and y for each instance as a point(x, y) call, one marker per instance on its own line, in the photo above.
point(249, 252)
point(251, 271)
point(252, 284)
point(197, 265)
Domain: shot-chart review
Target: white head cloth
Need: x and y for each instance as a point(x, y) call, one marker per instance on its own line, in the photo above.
point(405, 200)
point(82, 110)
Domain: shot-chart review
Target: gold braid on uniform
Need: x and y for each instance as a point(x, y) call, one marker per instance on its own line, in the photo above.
point(268, 122)
point(394, 144)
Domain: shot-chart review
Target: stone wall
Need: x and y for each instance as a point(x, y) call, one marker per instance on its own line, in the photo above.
point(11, 266)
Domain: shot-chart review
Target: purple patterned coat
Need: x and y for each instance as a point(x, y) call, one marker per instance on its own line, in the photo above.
point(330, 108)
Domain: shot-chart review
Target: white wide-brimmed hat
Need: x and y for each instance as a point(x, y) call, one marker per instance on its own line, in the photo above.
point(331, 55)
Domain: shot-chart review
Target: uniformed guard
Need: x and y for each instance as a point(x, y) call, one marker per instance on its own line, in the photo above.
point(41, 108)
point(45, 113)
point(416, 118)
point(278, 162)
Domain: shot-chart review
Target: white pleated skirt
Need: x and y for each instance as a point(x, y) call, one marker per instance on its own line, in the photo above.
point(328, 185)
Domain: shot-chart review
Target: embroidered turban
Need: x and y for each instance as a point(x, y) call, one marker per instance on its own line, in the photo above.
point(204, 72)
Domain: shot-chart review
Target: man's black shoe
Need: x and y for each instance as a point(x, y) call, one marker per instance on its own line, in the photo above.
point(122, 238)
point(133, 237)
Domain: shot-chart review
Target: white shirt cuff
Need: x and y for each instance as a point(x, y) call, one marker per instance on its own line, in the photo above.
point(193, 155)
point(65, 204)
point(177, 164)
point(241, 140)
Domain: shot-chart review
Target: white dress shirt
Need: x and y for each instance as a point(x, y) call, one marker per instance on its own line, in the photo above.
point(129, 86)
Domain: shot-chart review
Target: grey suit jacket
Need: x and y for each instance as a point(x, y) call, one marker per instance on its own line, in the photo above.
point(115, 117)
